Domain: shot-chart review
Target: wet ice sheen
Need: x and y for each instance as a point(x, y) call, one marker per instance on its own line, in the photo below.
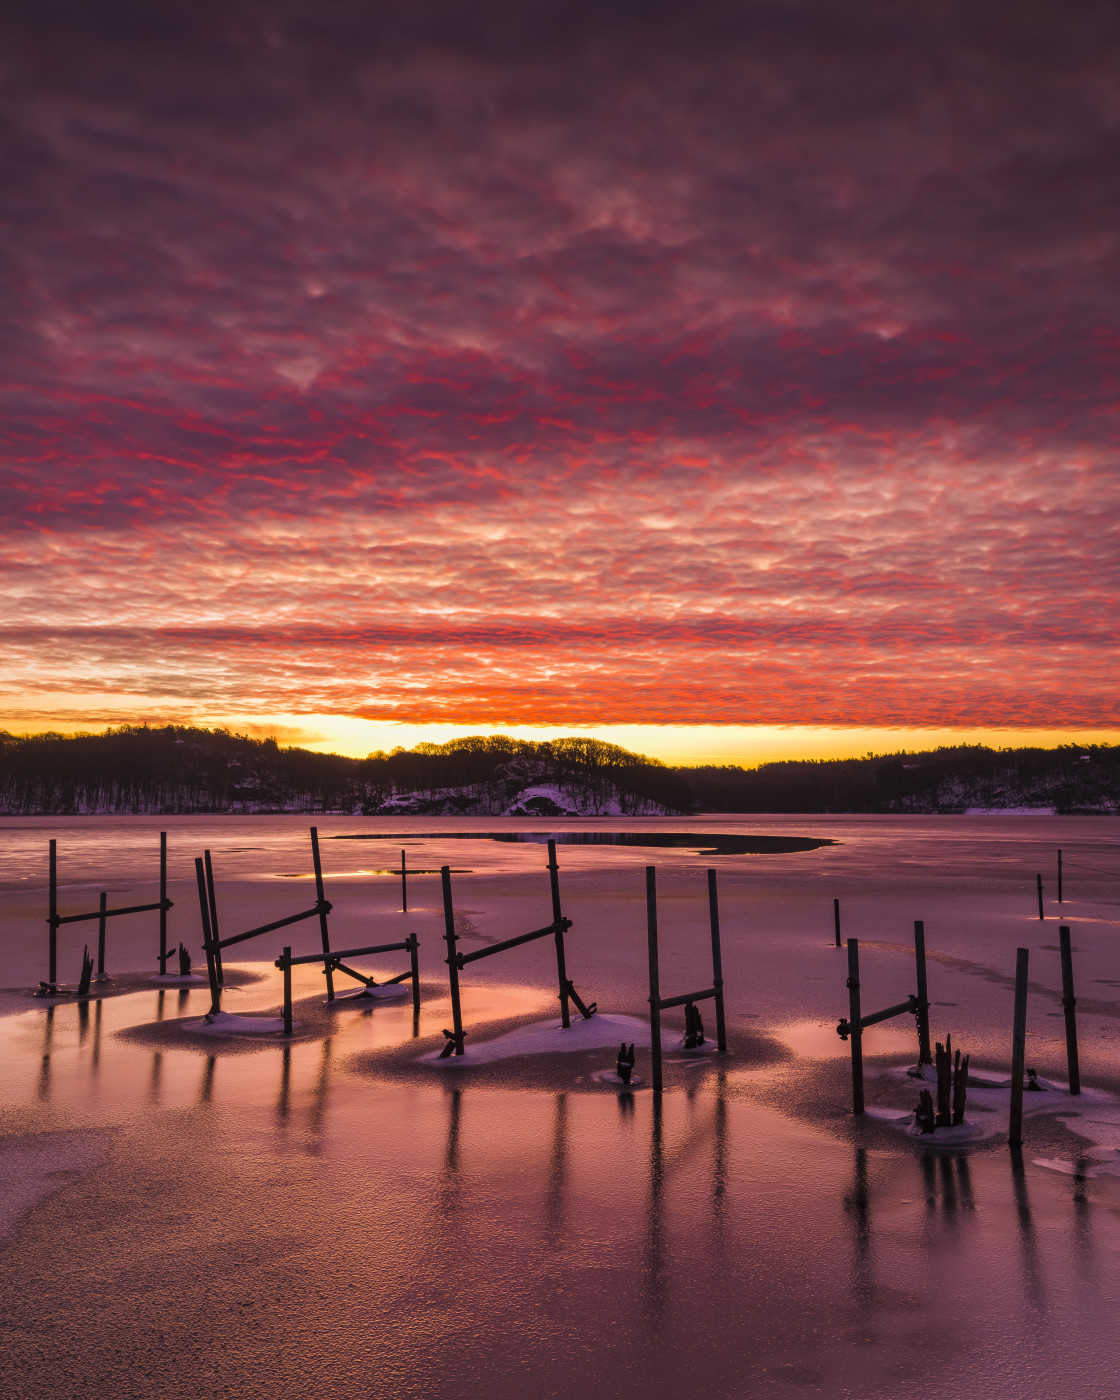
point(273, 1221)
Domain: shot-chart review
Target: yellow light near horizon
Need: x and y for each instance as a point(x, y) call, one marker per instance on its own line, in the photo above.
point(681, 745)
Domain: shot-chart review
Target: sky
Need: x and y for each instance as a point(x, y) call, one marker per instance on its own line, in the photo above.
point(727, 380)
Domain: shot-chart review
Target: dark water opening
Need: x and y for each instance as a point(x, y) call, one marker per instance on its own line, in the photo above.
point(704, 843)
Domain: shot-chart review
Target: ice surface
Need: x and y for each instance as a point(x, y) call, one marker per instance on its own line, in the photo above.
point(227, 1023)
point(601, 1032)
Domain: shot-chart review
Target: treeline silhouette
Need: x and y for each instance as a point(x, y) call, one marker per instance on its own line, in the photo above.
point(176, 769)
point(1072, 779)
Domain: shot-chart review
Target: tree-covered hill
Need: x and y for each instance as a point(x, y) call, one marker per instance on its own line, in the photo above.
point(1070, 779)
point(183, 770)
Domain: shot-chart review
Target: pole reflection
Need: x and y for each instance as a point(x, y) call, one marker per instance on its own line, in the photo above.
point(206, 1087)
point(45, 1064)
point(319, 1099)
point(284, 1101)
point(1033, 1288)
point(555, 1202)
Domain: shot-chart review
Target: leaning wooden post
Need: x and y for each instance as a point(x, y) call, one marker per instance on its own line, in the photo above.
point(1018, 1048)
point(717, 962)
point(287, 961)
point(413, 943)
point(404, 886)
point(924, 1056)
point(212, 900)
point(557, 919)
point(451, 938)
point(1069, 1003)
point(321, 901)
point(1060, 900)
point(52, 920)
point(654, 976)
point(836, 921)
point(855, 1029)
point(207, 937)
point(101, 921)
point(163, 902)
point(1041, 915)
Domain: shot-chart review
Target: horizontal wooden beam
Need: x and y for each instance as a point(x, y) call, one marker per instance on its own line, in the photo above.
point(110, 913)
point(461, 959)
point(664, 1003)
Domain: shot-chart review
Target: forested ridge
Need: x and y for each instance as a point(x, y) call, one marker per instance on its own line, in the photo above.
point(176, 769)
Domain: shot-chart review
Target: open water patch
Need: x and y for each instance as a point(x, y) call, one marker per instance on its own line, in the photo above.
point(703, 843)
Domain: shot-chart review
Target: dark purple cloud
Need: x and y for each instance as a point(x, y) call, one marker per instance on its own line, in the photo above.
point(572, 364)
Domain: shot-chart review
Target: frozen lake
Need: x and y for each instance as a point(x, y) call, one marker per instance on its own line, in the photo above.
point(183, 1216)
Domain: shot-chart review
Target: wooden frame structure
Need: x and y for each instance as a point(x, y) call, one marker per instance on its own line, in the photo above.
point(457, 961)
point(213, 943)
point(852, 1026)
point(658, 1003)
point(333, 962)
point(102, 913)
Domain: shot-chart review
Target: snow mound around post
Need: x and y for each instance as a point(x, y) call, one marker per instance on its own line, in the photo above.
point(549, 1037)
point(1093, 1114)
point(389, 991)
point(226, 1023)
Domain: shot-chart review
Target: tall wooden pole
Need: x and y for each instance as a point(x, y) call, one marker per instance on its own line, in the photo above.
point(717, 961)
point(654, 976)
point(287, 991)
point(414, 963)
point(856, 1030)
point(451, 938)
point(52, 958)
point(163, 902)
point(207, 937)
point(1069, 1003)
point(924, 1055)
point(1041, 915)
point(404, 886)
point(836, 921)
point(1060, 900)
point(212, 900)
point(1018, 1048)
point(557, 916)
point(101, 921)
point(321, 900)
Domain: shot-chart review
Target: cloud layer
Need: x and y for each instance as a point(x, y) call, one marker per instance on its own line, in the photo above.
point(562, 366)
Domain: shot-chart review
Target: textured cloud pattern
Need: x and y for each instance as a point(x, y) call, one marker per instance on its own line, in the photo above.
point(563, 365)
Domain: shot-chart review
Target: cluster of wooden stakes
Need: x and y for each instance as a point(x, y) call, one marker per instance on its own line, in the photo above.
point(332, 959)
point(951, 1070)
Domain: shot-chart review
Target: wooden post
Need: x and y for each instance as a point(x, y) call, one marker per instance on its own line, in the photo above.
point(856, 1030)
point(414, 962)
point(207, 937)
point(52, 920)
point(163, 902)
point(924, 1056)
point(717, 962)
point(287, 958)
point(321, 900)
point(404, 886)
point(557, 916)
point(451, 938)
point(1040, 913)
point(1060, 900)
point(212, 900)
point(1069, 1003)
point(654, 977)
point(1018, 1048)
point(101, 921)
point(836, 921)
